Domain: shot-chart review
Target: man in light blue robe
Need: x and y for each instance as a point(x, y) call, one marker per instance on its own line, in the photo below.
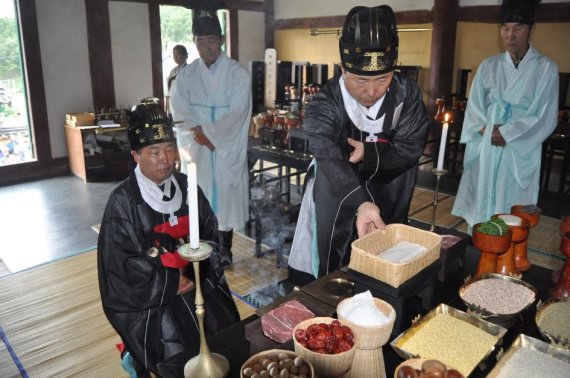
point(211, 97)
point(512, 109)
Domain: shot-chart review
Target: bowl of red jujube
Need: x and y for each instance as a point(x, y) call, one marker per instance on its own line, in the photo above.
point(326, 343)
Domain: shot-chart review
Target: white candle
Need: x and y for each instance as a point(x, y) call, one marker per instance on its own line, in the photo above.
point(442, 143)
point(193, 206)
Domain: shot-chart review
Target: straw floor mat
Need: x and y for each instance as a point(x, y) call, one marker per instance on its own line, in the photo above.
point(51, 316)
point(543, 242)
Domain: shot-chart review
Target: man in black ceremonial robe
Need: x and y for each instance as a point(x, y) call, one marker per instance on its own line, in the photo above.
point(367, 129)
point(147, 290)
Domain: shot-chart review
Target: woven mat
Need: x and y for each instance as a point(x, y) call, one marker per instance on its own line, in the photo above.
point(543, 242)
point(52, 318)
point(7, 368)
point(248, 273)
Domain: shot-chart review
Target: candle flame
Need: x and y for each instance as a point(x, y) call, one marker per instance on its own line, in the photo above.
point(446, 118)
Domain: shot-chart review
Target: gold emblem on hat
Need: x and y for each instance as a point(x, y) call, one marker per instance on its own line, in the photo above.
point(160, 132)
point(375, 62)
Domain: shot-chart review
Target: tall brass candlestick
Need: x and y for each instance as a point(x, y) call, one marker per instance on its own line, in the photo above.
point(205, 364)
point(438, 173)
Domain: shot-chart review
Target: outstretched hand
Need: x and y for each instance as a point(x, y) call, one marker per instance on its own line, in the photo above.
point(368, 219)
point(358, 153)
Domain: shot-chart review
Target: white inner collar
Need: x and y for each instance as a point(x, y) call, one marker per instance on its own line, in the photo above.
point(153, 195)
point(362, 117)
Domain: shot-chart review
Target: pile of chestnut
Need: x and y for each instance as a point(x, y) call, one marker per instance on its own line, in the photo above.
point(430, 369)
point(281, 366)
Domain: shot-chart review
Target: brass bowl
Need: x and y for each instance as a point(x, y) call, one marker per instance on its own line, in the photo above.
point(553, 339)
point(503, 319)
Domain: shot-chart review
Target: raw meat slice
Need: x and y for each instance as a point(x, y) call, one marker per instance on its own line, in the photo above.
point(278, 323)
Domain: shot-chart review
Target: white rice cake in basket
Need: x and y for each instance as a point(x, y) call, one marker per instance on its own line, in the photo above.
point(403, 252)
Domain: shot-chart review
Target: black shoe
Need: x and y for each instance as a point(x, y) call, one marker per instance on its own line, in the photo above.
point(226, 257)
point(226, 261)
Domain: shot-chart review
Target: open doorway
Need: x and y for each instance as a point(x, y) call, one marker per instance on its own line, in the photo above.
point(176, 29)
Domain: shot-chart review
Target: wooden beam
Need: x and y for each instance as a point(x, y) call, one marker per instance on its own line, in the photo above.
point(156, 49)
point(234, 33)
point(248, 5)
point(442, 50)
point(100, 55)
point(269, 24)
point(551, 12)
point(32, 61)
point(402, 18)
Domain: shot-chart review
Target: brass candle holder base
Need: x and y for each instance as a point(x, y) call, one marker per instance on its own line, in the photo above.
point(205, 364)
point(438, 173)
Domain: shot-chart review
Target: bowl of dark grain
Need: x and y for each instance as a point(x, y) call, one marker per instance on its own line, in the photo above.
point(553, 321)
point(497, 298)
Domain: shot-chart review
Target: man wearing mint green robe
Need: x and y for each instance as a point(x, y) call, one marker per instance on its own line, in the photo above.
point(512, 109)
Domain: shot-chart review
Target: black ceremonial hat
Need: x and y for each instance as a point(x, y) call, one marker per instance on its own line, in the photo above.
point(149, 124)
point(204, 17)
point(519, 11)
point(369, 41)
point(206, 25)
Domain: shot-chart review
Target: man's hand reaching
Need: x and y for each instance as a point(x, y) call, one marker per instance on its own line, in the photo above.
point(368, 219)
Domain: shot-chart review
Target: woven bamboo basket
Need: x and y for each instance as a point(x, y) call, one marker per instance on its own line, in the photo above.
point(325, 365)
point(364, 253)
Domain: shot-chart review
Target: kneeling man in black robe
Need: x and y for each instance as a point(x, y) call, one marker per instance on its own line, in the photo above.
point(147, 290)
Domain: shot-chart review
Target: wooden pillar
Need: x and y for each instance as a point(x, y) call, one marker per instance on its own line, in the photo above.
point(442, 50)
point(156, 49)
point(35, 82)
point(234, 33)
point(100, 55)
point(269, 24)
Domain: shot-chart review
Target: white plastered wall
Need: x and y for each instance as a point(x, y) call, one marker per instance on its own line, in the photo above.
point(130, 45)
point(65, 64)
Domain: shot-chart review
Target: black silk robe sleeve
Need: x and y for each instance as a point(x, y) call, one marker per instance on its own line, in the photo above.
point(406, 139)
